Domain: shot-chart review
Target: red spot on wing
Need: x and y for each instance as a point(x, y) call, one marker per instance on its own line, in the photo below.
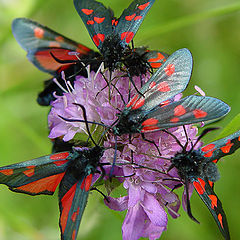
point(209, 154)
point(82, 184)
point(75, 214)
point(239, 138)
point(198, 113)
point(150, 121)
point(74, 235)
point(152, 84)
point(227, 147)
point(59, 156)
point(133, 100)
point(165, 103)
point(59, 39)
point(46, 184)
point(30, 171)
point(90, 22)
point(210, 183)
point(143, 6)
point(38, 32)
point(157, 62)
point(66, 203)
point(60, 163)
point(202, 182)
point(114, 22)
point(99, 20)
point(139, 103)
point(87, 11)
point(47, 62)
point(174, 120)
point(128, 36)
point(169, 69)
point(97, 38)
point(199, 186)
point(220, 219)
point(215, 161)
point(137, 18)
point(130, 17)
point(88, 182)
point(213, 201)
point(7, 172)
point(159, 57)
point(209, 149)
point(54, 44)
point(149, 129)
point(179, 110)
point(163, 87)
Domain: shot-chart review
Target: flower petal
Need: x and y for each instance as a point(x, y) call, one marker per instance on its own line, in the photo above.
point(155, 211)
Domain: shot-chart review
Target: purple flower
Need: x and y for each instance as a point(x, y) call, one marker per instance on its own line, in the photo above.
point(148, 185)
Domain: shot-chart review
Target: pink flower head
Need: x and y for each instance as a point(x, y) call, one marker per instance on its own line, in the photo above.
point(148, 186)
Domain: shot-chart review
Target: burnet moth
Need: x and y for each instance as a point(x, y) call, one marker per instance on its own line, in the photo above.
point(198, 167)
point(112, 35)
point(53, 53)
point(73, 171)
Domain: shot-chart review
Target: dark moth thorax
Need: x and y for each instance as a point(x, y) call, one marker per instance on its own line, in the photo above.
point(112, 51)
point(129, 122)
point(85, 163)
point(115, 55)
point(192, 164)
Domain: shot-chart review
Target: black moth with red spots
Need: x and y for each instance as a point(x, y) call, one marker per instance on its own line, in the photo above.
point(51, 52)
point(199, 168)
point(155, 109)
point(72, 171)
point(112, 36)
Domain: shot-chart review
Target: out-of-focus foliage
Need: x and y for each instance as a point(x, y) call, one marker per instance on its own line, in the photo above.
point(210, 29)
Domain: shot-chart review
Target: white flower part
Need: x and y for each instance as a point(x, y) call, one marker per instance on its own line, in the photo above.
point(198, 89)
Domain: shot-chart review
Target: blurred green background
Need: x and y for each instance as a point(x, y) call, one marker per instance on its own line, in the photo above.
point(210, 29)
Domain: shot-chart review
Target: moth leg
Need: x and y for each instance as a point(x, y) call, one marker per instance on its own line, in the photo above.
point(152, 142)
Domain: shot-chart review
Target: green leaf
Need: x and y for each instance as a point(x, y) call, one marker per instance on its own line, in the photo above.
point(231, 128)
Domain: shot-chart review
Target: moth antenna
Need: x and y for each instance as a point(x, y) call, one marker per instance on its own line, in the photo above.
point(187, 139)
point(86, 122)
point(82, 121)
point(172, 135)
point(189, 212)
point(62, 61)
point(204, 132)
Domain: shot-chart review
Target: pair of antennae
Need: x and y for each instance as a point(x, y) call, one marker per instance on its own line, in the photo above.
point(89, 133)
point(184, 147)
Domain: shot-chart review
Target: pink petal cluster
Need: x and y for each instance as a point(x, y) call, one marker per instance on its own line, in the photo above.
point(148, 188)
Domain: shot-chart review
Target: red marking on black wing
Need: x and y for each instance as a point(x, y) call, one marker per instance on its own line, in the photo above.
point(72, 202)
point(37, 176)
point(44, 61)
point(206, 193)
point(97, 19)
point(45, 185)
point(155, 58)
point(222, 147)
point(37, 40)
point(162, 86)
point(184, 112)
point(131, 19)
